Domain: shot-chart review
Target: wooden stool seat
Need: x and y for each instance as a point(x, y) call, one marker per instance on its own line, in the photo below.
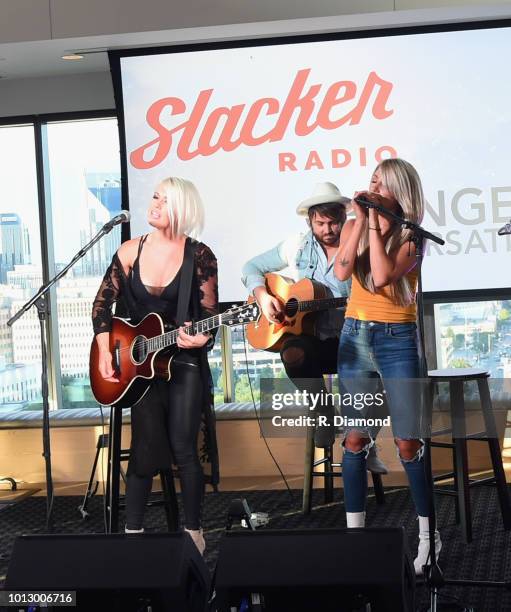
point(448, 374)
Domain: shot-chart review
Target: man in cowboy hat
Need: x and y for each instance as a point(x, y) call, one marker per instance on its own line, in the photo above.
point(310, 255)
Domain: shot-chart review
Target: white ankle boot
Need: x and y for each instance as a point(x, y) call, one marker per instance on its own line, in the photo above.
point(198, 539)
point(355, 519)
point(126, 530)
point(423, 552)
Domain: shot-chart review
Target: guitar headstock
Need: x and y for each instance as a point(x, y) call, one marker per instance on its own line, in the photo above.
point(240, 315)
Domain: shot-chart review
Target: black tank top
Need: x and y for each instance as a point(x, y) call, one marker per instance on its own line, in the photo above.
point(162, 300)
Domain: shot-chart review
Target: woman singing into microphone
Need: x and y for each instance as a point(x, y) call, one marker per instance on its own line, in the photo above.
point(379, 334)
point(153, 273)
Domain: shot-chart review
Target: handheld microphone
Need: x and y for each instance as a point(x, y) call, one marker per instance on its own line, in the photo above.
point(123, 217)
point(506, 230)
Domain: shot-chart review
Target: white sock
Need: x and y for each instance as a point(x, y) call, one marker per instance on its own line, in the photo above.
point(423, 551)
point(126, 530)
point(423, 524)
point(355, 519)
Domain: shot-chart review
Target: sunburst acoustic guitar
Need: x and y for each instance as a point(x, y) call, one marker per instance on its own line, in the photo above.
point(145, 351)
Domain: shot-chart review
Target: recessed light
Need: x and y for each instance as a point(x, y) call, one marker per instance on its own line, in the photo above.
point(72, 56)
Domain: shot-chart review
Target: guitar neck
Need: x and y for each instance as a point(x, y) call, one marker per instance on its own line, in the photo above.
point(170, 338)
point(321, 304)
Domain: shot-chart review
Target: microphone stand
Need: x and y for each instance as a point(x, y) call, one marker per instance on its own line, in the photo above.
point(434, 578)
point(39, 300)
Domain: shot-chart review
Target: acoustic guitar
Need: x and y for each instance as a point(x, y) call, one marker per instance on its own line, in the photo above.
point(145, 351)
point(301, 300)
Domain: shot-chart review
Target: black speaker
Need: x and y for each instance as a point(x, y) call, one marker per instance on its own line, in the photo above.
point(114, 572)
point(317, 569)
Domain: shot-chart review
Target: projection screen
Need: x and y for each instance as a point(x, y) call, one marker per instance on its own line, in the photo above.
point(256, 126)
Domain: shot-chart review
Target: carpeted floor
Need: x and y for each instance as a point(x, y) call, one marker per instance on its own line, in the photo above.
point(486, 558)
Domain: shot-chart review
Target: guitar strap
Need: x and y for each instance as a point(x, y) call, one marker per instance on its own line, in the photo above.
point(185, 283)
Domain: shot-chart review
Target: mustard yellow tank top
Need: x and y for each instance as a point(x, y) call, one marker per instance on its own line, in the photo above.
point(366, 306)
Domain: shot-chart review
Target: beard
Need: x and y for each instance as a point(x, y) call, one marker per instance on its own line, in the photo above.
point(329, 240)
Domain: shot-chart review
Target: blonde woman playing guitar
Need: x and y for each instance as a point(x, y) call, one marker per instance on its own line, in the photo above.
point(169, 273)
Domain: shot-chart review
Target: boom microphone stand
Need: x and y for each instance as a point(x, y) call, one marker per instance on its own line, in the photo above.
point(433, 575)
point(40, 302)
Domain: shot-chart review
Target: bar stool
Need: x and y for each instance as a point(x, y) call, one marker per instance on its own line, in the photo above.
point(457, 377)
point(116, 455)
point(330, 471)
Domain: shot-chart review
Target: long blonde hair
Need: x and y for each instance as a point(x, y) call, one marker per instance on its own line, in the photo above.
point(402, 180)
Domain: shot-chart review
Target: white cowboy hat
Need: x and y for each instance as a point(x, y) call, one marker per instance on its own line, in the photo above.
point(324, 193)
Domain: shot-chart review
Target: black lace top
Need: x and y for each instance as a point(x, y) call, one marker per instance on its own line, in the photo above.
point(117, 288)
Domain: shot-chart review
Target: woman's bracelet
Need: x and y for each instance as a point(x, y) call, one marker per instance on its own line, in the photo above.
point(376, 229)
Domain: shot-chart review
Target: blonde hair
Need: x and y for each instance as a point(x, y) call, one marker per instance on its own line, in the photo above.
point(402, 180)
point(184, 207)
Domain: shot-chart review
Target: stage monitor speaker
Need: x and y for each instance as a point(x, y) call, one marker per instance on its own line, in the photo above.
point(316, 569)
point(114, 572)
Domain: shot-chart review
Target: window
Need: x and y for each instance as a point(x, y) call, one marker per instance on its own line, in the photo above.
point(249, 365)
point(20, 269)
point(474, 334)
point(85, 193)
point(81, 168)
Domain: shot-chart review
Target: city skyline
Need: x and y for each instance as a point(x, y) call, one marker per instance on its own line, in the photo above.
point(20, 351)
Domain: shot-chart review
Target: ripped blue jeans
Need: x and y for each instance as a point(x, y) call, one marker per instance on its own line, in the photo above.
point(372, 353)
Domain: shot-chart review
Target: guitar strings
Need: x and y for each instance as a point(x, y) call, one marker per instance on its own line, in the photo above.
point(141, 342)
point(188, 330)
point(289, 309)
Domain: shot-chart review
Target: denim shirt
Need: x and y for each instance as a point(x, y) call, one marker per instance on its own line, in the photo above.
point(301, 256)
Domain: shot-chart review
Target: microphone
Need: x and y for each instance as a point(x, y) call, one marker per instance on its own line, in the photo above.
point(122, 217)
point(506, 230)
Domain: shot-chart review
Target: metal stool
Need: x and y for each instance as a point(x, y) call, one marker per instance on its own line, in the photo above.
point(328, 474)
point(456, 377)
point(116, 455)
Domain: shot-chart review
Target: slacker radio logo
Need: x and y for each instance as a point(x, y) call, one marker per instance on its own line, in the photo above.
point(205, 128)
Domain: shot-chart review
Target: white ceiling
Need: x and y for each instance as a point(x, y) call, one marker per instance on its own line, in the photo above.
point(43, 58)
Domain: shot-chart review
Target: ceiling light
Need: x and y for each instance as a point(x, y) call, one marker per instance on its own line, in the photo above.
point(72, 56)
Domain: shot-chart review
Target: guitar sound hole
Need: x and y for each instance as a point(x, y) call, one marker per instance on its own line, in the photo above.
point(139, 349)
point(291, 307)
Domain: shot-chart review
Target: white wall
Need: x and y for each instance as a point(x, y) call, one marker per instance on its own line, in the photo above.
point(56, 94)
point(23, 20)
